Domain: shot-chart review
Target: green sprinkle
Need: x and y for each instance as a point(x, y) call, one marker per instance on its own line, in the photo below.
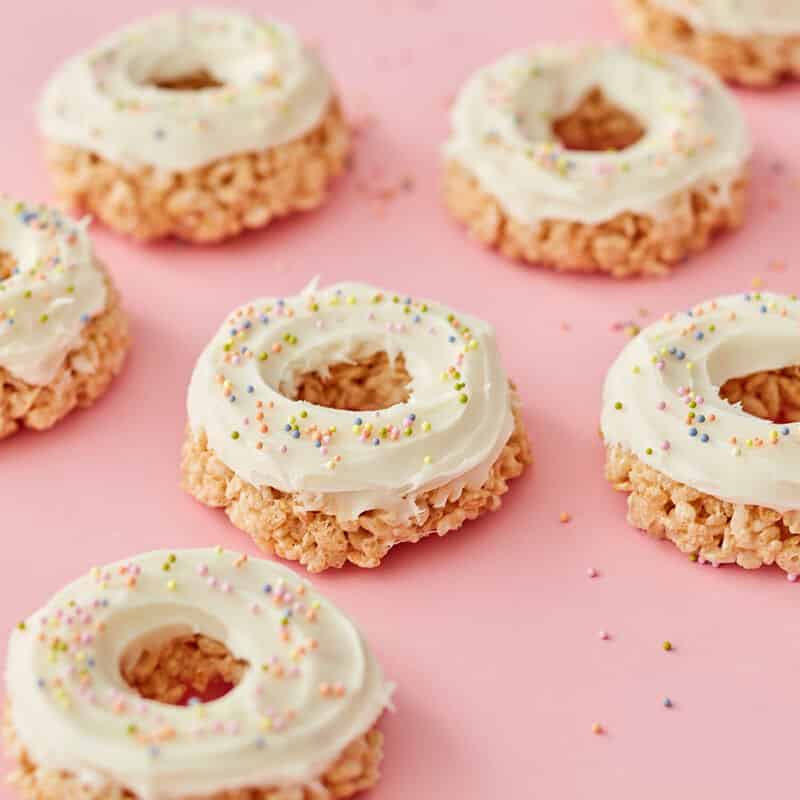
point(618, 405)
point(235, 435)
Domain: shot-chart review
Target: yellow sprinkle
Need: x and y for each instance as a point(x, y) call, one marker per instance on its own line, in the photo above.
point(171, 585)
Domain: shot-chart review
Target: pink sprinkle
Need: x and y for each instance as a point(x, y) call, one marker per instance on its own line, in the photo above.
point(212, 582)
point(604, 635)
point(660, 365)
point(284, 449)
point(791, 577)
point(591, 572)
point(665, 445)
point(226, 587)
point(661, 406)
point(202, 570)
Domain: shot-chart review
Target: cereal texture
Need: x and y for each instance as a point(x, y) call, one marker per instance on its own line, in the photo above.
point(211, 203)
point(698, 523)
point(626, 246)
point(315, 539)
point(84, 376)
point(182, 666)
point(757, 61)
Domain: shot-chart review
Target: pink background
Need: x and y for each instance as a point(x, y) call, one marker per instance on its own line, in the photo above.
point(491, 632)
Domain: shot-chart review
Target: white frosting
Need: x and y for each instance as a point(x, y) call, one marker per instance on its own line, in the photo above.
point(274, 91)
point(502, 133)
point(280, 726)
point(459, 412)
point(55, 288)
point(674, 369)
point(739, 18)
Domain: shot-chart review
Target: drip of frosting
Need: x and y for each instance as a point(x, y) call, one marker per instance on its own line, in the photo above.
point(106, 100)
point(502, 133)
point(451, 430)
point(661, 400)
point(740, 18)
point(54, 288)
point(312, 685)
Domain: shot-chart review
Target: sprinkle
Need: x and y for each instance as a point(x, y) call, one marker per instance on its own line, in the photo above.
point(591, 572)
point(667, 702)
point(564, 517)
point(597, 729)
point(667, 646)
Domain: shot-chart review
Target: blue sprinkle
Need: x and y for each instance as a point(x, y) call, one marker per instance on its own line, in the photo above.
point(40, 683)
point(267, 588)
point(667, 702)
point(451, 339)
point(407, 301)
point(247, 324)
point(104, 602)
point(84, 318)
point(295, 434)
point(159, 133)
point(250, 389)
point(233, 331)
point(261, 743)
point(692, 431)
point(699, 335)
point(690, 313)
point(287, 427)
point(90, 663)
point(701, 417)
point(412, 417)
point(359, 421)
point(264, 318)
point(747, 297)
point(704, 438)
point(232, 398)
point(680, 355)
point(763, 309)
point(417, 318)
point(376, 441)
point(673, 350)
point(281, 302)
point(243, 349)
point(154, 752)
point(318, 443)
point(785, 431)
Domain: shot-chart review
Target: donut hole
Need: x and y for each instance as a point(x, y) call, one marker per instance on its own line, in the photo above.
point(183, 668)
point(597, 124)
point(772, 395)
point(194, 81)
point(7, 264)
point(365, 384)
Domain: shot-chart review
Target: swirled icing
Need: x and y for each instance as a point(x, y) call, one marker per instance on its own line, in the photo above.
point(452, 429)
point(661, 399)
point(54, 289)
point(72, 709)
point(740, 18)
point(274, 91)
point(502, 133)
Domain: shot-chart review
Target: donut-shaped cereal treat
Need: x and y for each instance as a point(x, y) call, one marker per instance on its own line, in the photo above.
point(701, 420)
point(199, 673)
point(63, 335)
point(751, 42)
point(596, 158)
point(338, 423)
point(196, 124)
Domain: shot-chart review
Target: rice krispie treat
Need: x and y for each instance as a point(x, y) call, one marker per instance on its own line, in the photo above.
point(63, 335)
point(751, 42)
point(194, 124)
point(596, 159)
point(338, 423)
point(110, 685)
point(701, 420)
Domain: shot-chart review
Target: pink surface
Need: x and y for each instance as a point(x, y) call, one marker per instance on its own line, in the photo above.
point(491, 633)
